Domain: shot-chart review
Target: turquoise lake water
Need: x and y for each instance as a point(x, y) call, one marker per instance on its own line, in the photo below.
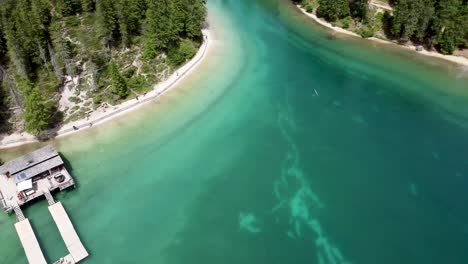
point(289, 144)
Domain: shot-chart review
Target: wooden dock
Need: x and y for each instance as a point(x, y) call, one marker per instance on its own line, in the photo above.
point(30, 244)
point(31, 176)
point(68, 233)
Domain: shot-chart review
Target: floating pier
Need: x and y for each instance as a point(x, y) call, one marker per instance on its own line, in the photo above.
point(28, 240)
point(27, 178)
point(68, 233)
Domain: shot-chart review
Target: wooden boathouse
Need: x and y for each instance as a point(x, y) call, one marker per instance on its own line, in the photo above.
point(31, 176)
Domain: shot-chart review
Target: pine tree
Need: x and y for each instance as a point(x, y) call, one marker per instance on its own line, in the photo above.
point(136, 13)
point(359, 9)
point(16, 37)
point(130, 15)
point(333, 9)
point(3, 109)
point(88, 5)
point(181, 13)
point(37, 113)
point(196, 16)
point(160, 30)
point(107, 22)
point(17, 54)
point(69, 7)
point(41, 13)
point(119, 86)
point(3, 48)
point(451, 25)
point(412, 18)
point(37, 38)
point(57, 49)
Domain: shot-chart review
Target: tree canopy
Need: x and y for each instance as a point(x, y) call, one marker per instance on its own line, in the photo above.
point(443, 23)
point(37, 112)
point(45, 43)
point(119, 86)
point(333, 9)
point(439, 23)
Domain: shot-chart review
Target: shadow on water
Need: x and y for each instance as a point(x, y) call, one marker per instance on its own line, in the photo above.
point(41, 243)
point(69, 168)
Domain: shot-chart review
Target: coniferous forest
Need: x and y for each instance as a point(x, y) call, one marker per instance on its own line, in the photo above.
point(438, 24)
point(60, 59)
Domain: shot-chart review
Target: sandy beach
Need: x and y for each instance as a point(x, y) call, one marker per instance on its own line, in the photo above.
point(101, 114)
point(456, 59)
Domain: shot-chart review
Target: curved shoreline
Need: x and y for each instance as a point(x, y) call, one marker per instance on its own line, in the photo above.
point(100, 115)
point(452, 58)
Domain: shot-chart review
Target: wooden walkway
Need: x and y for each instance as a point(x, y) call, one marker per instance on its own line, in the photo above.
point(67, 231)
point(28, 240)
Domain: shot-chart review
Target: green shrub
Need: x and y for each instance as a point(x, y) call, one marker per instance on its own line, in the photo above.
point(74, 99)
point(138, 84)
point(309, 9)
point(181, 53)
point(97, 100)
point(128, 73)
point(345, 22)
point(380, 16)
point(365, 31)
point(73, 21)
point(37, 112)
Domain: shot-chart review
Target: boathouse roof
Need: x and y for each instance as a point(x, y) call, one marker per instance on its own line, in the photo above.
point(32, 164)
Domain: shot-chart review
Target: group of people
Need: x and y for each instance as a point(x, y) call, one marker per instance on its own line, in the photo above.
point(144, 94)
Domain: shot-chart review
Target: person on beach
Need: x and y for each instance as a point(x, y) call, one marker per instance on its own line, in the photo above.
point(136, 97)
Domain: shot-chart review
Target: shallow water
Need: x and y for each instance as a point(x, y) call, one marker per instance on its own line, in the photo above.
point(288, 145)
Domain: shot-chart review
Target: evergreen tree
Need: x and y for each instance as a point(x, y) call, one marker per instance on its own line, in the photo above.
point(123, 21)
point(88, 5)
point(17, 53)
point(16, 37)
point(119, 86)
point(130, 14)
point(57, 50)
point(3, 48)
point(37, 113)
point(68, 7)
point(107, 22)
point(136, 14)
point(412, 18)
point(188, 17)
point(41, 18)
point(333, 9)
point(41, 13)
point(37, 37)
point(3, 109)
point(160, 30)
point(359, 9)
point(196, 15)
point(451, 25)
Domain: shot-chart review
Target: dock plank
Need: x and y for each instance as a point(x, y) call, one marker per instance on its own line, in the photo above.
point(29, 241)
point(67, 231)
